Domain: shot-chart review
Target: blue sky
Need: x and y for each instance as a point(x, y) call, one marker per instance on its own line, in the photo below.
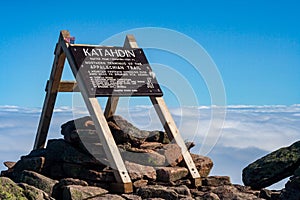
point(255, 44)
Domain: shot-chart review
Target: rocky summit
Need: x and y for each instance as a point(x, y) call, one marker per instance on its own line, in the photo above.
point(75, 168)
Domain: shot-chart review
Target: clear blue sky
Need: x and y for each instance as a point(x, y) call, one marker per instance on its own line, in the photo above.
point(255, 44)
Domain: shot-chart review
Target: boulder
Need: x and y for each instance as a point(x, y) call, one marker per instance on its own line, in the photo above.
point(292, 189)
point(171, 174)
point(157, 191)
point(78, 192)
point(60, 151)
point(216, 181)
point(83, 129)
point(10, 190)
point(269, 194)
point(58, 188)
point(172, 153)
point(140, 183)
point(158, 136)
point(145, 157)
point(9, 164)
point(230, 192)
point(124, 132)
point(37, 180)
point(203, 164)
point(273, 167)
point(30, 163)
point(182, 190)
point(69, 129)
point(87, 174)
point(108, 197)
point(151, 145)
point(209, 196)
point(131, 197)
point(137, 171)
point(33, 193)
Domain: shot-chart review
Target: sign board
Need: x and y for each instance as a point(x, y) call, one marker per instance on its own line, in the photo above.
point(112, 72)
point(115, 71)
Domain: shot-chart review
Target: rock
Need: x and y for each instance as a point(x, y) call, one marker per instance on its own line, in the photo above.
point(80, 164)
point(292, 189)
point(84, 173)
point(170, 174)
point(187, 198)
point(216, 181)
point(270, 194)
point(58, 188)
point(10, 190)
point(197, 192)
point(131, 197)
point(33, 193)
point(156, 191)
point(297, 172)
point(209, 196)
point(140, 183)
point(68, 130)
point(186, 182)
point(158, 136)
point(31, 164)
point(97, 150)
point(108, 197)
point(36, 153)
point(151, 145)
point(203, 164)
point(137, 171)
point(143, 157)
point(59, 151)
point(37, 180)
point(9, 164)
point(83, 129)
point(78, 192)
point(182, 190)
point(172, 153)
point(123, 131)
point(189, 145)
point(273, 167)
point(230, 192)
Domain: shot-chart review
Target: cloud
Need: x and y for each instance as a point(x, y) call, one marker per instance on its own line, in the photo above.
point(248, 131)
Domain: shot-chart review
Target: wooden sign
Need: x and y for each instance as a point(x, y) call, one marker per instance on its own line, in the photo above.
point(115, 71)
point(112, 72)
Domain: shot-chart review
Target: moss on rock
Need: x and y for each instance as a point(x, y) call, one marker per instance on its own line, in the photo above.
point(9, 190)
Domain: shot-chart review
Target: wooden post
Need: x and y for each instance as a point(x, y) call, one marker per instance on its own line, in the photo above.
point(111, 150)
point(112, 102)
point(51, 93)
point(173, 134)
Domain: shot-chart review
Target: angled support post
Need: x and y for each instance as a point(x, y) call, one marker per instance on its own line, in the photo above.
point(124, 184)
point(51, 93)
point(173, 134)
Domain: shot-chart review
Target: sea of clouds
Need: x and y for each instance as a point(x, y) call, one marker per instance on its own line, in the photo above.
point(247, 133)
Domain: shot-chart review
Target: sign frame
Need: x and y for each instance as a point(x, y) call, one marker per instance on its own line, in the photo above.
point(55, 85)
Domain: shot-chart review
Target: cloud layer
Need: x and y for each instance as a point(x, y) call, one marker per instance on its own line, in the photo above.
point(248, 132)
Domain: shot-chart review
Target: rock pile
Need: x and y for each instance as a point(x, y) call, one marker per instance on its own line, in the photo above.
point(75, 167)
point(274, 167)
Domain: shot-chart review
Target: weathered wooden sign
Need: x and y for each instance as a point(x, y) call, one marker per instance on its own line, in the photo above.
point(112, 72)
point(115, 71)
